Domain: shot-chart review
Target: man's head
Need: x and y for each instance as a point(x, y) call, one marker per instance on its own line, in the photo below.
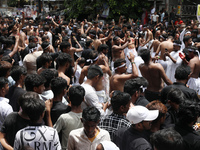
point(182, 73)
point(158, 105)
point(35, 109)
point(163, 37)
point(90, 119)
point(45, 46)
point(94, 71)
point(177, 45)
point(133, 86)
point(45, 60)
point(188, 112)
point(76, 95)
point(18, 73)
point(4, 88)
point(145, 55)
point(65, 47)
point(141, 117)
point(120, 65)
point(103, 48)
point(35, 83)
point(120, 102)
point(175, 97)
point(64, 60)
point(167, 139)
point(192, 51)
point(25, 97)
point(116, 40)
point(59, 86)
point(48, 74)
point(5, 68)
point(93, 55)
point(92, 34)
point(187, 41)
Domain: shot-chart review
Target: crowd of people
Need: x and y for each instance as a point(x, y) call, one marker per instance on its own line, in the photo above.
point(81, 85)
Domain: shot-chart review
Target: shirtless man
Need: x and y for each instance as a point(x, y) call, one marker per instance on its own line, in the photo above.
point(63, 61)
point(154, 47)
point(155, 74)
point(167, 43)
point(149, 37)
point(118, 50)
point(118, 79)
point(94, 58)
point(66, 47)
point(194, 63)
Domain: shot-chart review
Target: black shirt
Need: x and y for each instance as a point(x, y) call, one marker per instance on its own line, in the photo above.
point(13, 96)
point(189, 93)
point(190, 136)
point(58, 109)
point(134, 139)
point(141, 101)
point(13, 123)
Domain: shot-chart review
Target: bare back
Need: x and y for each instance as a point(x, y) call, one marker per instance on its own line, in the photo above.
point(154, 73)
point(163, 46)
point(115, 84)
point(195, 66)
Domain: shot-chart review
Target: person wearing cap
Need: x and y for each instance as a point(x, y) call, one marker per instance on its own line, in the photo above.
point(107, 145)
point(135, 88)
point(155, 74)
point(120, 102)
point(173, 60)
point(194, 63)
point(135, 137)
point(118, 79)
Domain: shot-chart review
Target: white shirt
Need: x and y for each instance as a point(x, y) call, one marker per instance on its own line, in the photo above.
point(91, 98)
point(5, 109)
point(154, 17)
point(37, 137)
point(50, 37)
point(79, 141)
point(171, 66)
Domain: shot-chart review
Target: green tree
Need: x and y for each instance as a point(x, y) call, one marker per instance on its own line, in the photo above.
point(128, 8)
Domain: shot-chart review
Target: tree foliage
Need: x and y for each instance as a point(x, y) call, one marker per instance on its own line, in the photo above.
point(85, 8)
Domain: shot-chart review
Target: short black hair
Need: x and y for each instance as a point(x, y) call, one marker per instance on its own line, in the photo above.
point(4, 68)
point(17, 71)
point(58, 85)
point(93, 71)
point(88, 42)
point(64, 45)
point(102, 47)
point(33, 80)
point(45, 45)
point(34, 108)
point(176, 95)
point(26, 96)
point(118, 62)
point(63, 58)
point(186, 38)
point(167, 139)
point(3, 82)
point(120, 99)
point(182, 72)
point(76, 95)
point(133, 85)
point(48, 74)
point(91, 113)
point(188, 112)
point(45, 58)
point(145, 55)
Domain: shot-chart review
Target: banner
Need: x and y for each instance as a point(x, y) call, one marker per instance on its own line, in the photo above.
point(198, 12)
point(178, 10)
